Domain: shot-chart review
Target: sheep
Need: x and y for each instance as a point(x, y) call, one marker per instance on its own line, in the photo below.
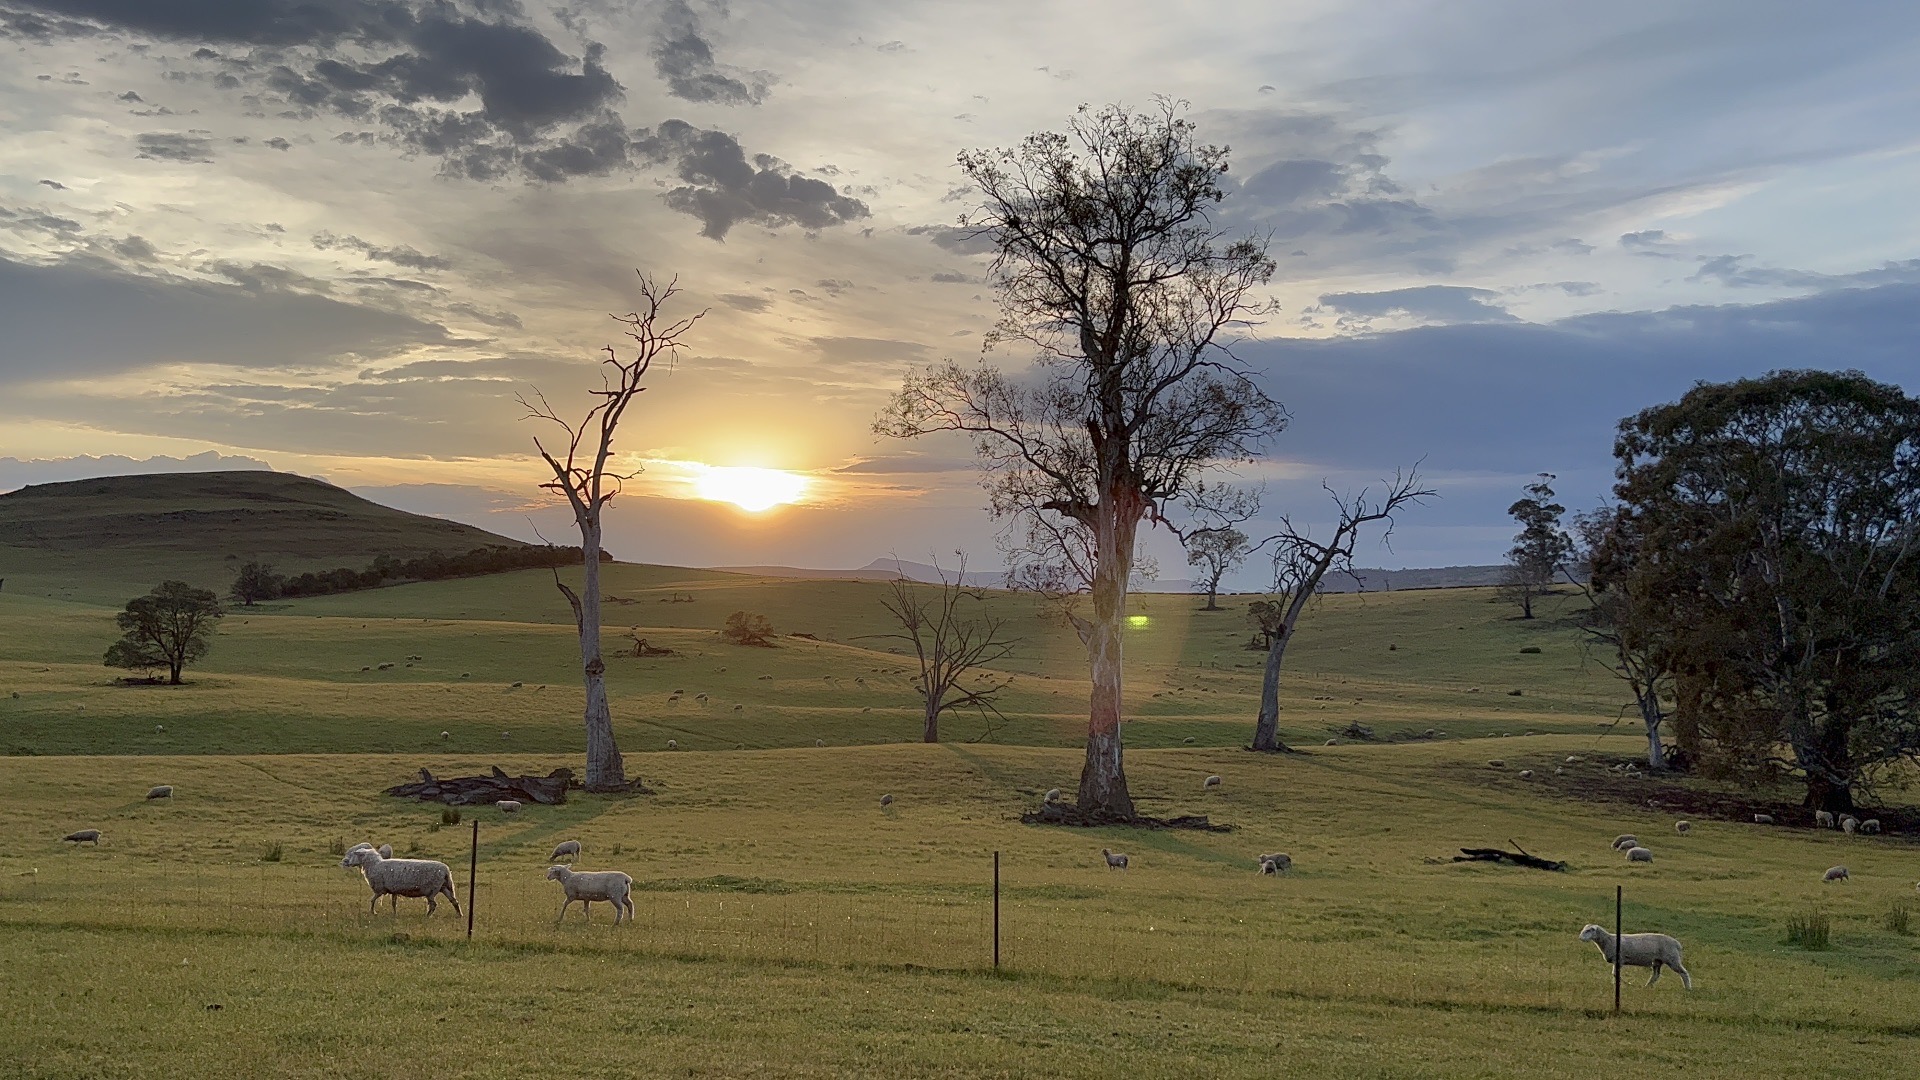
point(1276, 863)
point(1848, 824)
point(819, 742)
point(446, 735)
point(1052, 795)
point(1573, 759)
point(1835, 873)
point(159, 729)
point(738, 708)
point(1526, 774)
point(886, 801)
point(1639, 854)
point(1188, 741)
point(508, 806)
point(1333, 742)
point(160, 791)
point(1823, 818)
point(569, 848)
point(673, 744)
point(1871, 826)
point(608, 886)
point(1559, 770)
point(1114, 859)
point(1625, 841)
point(88, 836)
point(1210, 782)
point(1763, 819)
point(1656, 951)
point(1683, 827)
point(403, 877)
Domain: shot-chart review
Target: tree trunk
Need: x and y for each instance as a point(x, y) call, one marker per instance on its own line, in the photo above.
point(1828, 767)
point(606, 771)
point(1266, 730)
point(173, 672)
point(1650, 714)
point(1213, 592)
point(1103, 781)
point(931, 732)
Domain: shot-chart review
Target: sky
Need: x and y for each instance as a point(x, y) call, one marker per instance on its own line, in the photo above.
point(336, 237)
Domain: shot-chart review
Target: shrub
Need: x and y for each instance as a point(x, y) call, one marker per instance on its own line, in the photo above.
point(271, 853)
point(1809, 931)
point(1899, 917)
point(746, 628)
point(449, 816)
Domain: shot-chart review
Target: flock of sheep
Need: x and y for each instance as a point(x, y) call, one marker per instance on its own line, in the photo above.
point(431, 879)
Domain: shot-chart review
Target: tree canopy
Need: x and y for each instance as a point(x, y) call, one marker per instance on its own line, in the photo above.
point(167, 628)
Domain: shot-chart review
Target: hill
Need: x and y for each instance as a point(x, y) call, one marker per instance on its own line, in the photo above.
point(109, 537)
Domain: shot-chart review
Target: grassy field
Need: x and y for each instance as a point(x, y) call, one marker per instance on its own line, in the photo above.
point(787, 926)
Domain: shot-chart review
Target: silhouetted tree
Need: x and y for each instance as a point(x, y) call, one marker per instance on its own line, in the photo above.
point(746, 628)
point(1109, 266)
point(1540, 550)
point(1300, 563)
point(584, 472)
point(948, 645)
point(256, 582)
point(1216, 549)
point(169, 628)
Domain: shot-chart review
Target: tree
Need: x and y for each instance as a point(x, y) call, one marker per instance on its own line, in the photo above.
point(1621, 622)
point(255, 582)
point(746, 628)
point(1300, 564)
point(1109, 266)
point(1218, 548)
point(1776, 524)
point(1541, 548)
point(169, 628)
point(948, 646)
point(584, 471)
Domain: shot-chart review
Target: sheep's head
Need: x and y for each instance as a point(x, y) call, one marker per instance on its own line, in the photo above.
point(1592, 932)
point(360, 856)
point(558, 873)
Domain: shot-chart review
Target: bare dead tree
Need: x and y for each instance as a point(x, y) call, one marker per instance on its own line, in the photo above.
point(1300, 563)
point(1218, 547)
point(585, 472)
point(949, 645)
point(1110, 268)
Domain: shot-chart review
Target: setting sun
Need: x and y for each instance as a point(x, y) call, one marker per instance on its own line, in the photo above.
point(748, 488)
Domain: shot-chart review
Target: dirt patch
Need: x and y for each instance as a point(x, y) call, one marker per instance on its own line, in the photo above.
point(1074, 817)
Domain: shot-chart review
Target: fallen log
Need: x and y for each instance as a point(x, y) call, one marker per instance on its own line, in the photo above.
point(548, 790)
point(1495, 855)
point(1071, 815)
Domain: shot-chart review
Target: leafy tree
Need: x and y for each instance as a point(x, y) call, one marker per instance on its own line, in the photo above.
point(746, 628)
point(1110, 267)
point(1623, 622)
point(168, 628)
point(1540, 550)
point(255, 582)
point(1217, 549)
point(948, 646)
point(1778, 526)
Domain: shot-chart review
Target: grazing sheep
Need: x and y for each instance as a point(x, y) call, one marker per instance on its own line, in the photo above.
point(1559, 769)
point(1276, 863)
point(1188, 741)
point(88, 836)
point(886, 801)
point(403, 877)
point(607, 886)
point(1639, 854)
point(446, 734)
point(1052, 795)
point(1835, 873)
point(1871, 826)
point(673, 744)
point(1526, 774)
point(1683, 827)
point(819, 742)
point(1210, 782)
point(1114, 859)
point(738, 708)
point(508, 806)
point(159, 729)
point(1573, 759)
point(1656, 951)
point(569, 848)
point(160, 791)
point(1823, 818)
point(1848, 824)
point(1763, 819)
point(1625, 841)
point(1333, 742)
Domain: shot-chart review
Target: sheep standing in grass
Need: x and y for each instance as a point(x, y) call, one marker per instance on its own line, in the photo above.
point(569, 848)
point(1276, 863)
point(1835, 873)
point(1210, 782)
point(508, 806)
point(1052, 795)
point(607, 886)
point(403, 877)
point(1625, 841)
point(1656, 951)
point(84, 836)
point(1114, 859)
point(1848, 824)
point(1683, 827)
point(1823, 818)
point(1871, 826)
point(160, 791)
point(886, 801)
point(1639, 854)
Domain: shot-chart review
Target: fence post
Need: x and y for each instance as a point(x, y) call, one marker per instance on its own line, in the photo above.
point(996, 911)
point(1618, 891)
point(473, 877)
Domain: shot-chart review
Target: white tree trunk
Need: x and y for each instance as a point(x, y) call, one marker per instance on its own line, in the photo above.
point(1103, 780)
point(606, 771)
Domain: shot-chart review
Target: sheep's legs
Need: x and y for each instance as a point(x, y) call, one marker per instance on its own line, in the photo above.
point(1657, 968)
point(452, 899)
point(1686, 980)
point(563, 910)
point(373, 905)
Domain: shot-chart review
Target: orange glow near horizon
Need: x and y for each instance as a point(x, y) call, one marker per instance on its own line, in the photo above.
point(750, 489)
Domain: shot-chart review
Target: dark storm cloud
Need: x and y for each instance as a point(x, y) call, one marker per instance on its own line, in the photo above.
point(723, 187)
point(1436, 303)
point(683, 56)
point(193, 148)
point(84, 316)
point(398, 256)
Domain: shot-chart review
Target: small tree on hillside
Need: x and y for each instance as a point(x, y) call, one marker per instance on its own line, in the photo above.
point(256, 582)
point(168, 628)
point(1110, 267)
point(747, 628)
point(1216, 550)
point(1300, 563)
point(1540, 550)
point(948, 645)
point(585, 472)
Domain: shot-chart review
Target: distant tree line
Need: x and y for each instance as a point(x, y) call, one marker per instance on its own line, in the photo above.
point(257, 581)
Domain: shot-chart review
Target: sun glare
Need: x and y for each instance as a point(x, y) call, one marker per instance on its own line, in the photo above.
point(750, 489)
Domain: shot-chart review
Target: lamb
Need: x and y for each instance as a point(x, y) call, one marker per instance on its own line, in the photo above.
point(403, 877)
point(1683, 827)
point(1823, 818)
point(1210, 782)
point(1639, 854)
point(508, 806)
point(1625, 841)
point(87, 836)
point(1276, 863)
point(1763, 819)
point(1871, 826)
point(1052, 795)
point(569, 848)
point(1656, 951)
point(1835, 873)
point(586, 886)
point(160, 791)
point(1114, 859)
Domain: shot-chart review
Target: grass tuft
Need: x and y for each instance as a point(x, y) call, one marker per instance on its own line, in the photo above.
point(449, 816)
point(1899, 917)
point(1812, 930)
point(272, 852)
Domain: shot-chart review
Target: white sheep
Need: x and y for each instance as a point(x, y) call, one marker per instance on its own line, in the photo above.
point(886, 801)
point(1871, 826)
point(1052, 795)
point(1625, 841)
point(1763, 819)
point(586, 886)
point(1639, 854)
point(508, 806)
point(569, 848)
point(1276, 863)
point(446, 734)
point(1114, 859)
point(1654, 951)
point(1683, 827)
point(1526, 774)
point(673, 744)
point(1210, 782)
point(88, 836)
point(160, 791)
point(1848, 824)
point(1835, 873)
point(1823, 818)
point(403, 877)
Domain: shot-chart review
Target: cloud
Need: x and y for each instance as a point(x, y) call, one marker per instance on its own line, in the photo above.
point(746, 303)
point(1731, 271)
point(722, 188)
point(17, 473)
point(953, 238)
point(858, 351)
point(1646, 241)
point(398, 256)
point(683, 56)
point(193, 147)
point(54, 184)
point(1432, 303)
